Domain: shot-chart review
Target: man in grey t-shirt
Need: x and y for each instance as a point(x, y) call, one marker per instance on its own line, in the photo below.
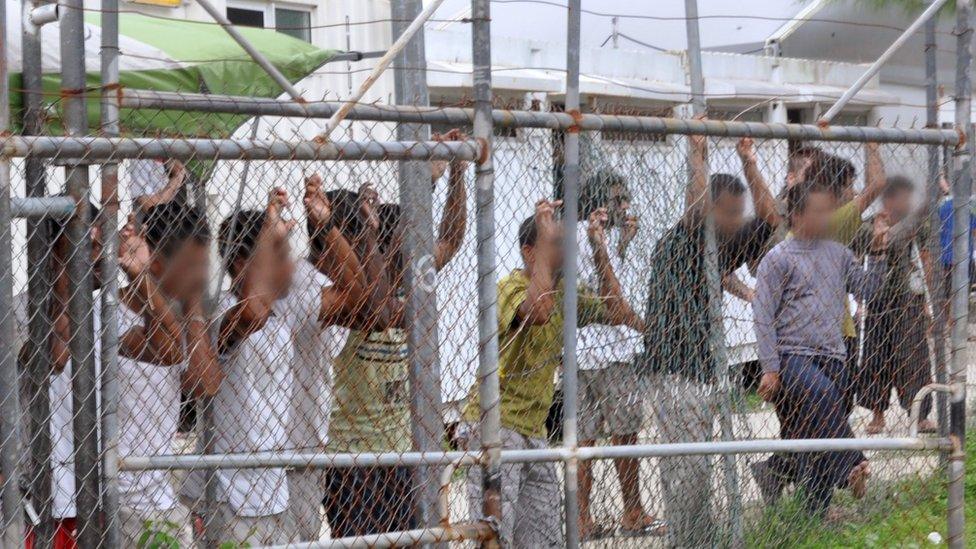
point(801, 290)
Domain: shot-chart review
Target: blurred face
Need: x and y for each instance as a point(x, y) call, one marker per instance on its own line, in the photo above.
point(282, 270)
point(729, 212)
point(898, 206)
point(184, 274)
point(814, 221)
point(619, 206)
point(549, 249)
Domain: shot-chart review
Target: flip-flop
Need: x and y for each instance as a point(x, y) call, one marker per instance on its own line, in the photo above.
point(656, 528)
point(599, 531)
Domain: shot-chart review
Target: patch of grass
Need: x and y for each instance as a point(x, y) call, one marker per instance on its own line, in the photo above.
point(900, 514)
point(752, 402)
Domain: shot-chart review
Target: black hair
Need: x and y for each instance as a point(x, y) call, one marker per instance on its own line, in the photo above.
point(896, 185)
point(345, 211)
point(345, 217)
point(168, 225)
point(595, 192)
point(804, 151)
point(389, 215)
point(57, 226)
point(797, 196)
point(721, 183)
point(238, 234)
point(832, 172)
point(528, 232)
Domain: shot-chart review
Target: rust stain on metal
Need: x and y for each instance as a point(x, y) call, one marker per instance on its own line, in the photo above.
point(485, 153)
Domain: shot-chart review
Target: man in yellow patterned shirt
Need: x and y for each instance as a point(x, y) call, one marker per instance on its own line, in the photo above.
point(530, 323)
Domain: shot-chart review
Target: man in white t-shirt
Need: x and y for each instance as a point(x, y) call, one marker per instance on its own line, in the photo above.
point(264, 313)
point(175, 256)
point(61, 505)
point(312, 366)
point(610, 402)
point(152, 338)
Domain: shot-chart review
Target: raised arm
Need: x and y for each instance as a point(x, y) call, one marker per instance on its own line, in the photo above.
point(540, 294)
point(342, 300)
point(618, 311)
point(256, 293)
point(762, 198)
point(176, 174)
point(697, 178)
point(874, 177)
point(159, 340)
point(203, 375)
point(383, 309)
point(450, 233)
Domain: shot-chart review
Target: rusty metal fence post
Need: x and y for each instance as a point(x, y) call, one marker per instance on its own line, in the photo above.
point(420, 311)
point(84, 367)
point(488, 388)
point(961, 260)
point(570, 187)
point(108, 222)
point(10, 504)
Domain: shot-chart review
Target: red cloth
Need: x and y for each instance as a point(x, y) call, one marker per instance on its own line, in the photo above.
point(64, 535)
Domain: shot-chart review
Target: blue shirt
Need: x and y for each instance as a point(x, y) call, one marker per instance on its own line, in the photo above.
point(945, 231)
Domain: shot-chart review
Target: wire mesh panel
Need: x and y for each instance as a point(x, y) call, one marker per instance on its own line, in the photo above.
point(275, 386)
point(835, 352)
point(262, 327)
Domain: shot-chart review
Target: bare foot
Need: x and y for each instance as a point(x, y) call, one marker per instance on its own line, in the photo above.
point(926, 426)
point(857, 481)
point(587, 528)
point(877, 423)
point(636, 520)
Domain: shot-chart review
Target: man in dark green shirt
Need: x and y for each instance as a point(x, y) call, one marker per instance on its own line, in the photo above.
point(678, 356)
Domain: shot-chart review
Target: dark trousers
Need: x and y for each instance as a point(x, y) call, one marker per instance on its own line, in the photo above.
point(895, 355)
point(812, 403)
point(782, 465)
point(369, 500)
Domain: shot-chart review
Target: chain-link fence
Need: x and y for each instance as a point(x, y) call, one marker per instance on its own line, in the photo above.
point(223, 332)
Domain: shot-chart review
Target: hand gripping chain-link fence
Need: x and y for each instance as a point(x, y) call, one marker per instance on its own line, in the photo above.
point(532, 328)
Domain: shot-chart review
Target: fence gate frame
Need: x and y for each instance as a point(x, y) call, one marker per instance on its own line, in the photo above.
point(80, 150)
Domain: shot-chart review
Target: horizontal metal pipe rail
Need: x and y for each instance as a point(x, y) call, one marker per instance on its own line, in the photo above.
point(98, 149)
point(49, 206)
point(408, 538)
point(456, 116)
point(408, 459)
